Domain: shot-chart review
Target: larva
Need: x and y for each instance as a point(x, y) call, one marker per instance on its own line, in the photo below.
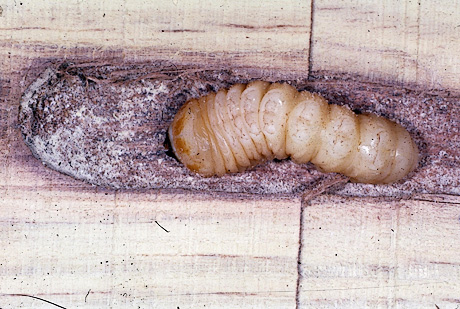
point(234, 129)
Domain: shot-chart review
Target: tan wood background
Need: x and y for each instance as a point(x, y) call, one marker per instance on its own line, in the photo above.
point(79, 246)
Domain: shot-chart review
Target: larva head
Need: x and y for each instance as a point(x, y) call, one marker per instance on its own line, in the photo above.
point(190, 140)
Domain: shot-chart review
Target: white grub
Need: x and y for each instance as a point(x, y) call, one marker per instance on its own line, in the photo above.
point(249, 124)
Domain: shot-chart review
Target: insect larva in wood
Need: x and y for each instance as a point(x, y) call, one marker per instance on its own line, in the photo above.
point(234, 129)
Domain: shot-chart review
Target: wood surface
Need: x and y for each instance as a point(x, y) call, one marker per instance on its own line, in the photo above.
point(79, 246)
point(405, 41)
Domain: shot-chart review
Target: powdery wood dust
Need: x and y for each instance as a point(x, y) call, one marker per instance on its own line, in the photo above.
point(107, 125)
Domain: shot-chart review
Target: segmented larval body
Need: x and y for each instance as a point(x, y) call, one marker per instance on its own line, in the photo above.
point(232, 130)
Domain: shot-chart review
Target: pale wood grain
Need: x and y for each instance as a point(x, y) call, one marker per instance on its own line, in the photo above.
point(214, 253)
point(438, 61)
point(234, 33)
point(368, 253)
point(61, 239)
point(404, 41)
point(85, 247)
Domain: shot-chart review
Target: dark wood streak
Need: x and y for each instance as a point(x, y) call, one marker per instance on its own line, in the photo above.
point(182, 30)
point(435, 201)
point(251, 27)
point(38, 298)
point(89, 291)
point(162, 227)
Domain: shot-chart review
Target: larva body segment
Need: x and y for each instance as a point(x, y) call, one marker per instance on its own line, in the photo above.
point(250, 104)
point(338, 140)
point(230, 163)
point(248, 124)
point(304, 125)
point(227, 126)
point(216, 154)
point(237, 117)
point(274, 110)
